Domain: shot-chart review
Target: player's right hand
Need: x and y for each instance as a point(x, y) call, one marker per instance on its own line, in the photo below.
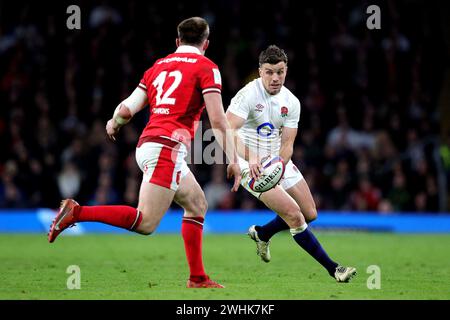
point(112, 129)
point(255, 169)
point(233, 170)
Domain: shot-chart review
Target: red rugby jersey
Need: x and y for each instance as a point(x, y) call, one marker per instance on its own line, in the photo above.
point(175, 86)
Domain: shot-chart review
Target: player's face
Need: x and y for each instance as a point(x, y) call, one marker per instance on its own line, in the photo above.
point(273, 76)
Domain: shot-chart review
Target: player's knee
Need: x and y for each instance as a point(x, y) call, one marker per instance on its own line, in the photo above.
point(146, 232)
point(311, 214)
point(147, 226)
point(146, 229)
point(297, 221)
point(294, 217)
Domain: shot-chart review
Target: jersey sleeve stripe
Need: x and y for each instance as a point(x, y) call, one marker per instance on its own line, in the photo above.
point(142, 86)
point(208, 90)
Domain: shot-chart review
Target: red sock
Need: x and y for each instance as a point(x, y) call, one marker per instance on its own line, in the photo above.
point(192, 231)
point(119, 216)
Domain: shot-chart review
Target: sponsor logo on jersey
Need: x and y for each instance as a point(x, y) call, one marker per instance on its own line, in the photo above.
point(265, 129)
point(259, 107)
point(217, 77)
point(178, 59)
point(160, 111)
point(284, 112)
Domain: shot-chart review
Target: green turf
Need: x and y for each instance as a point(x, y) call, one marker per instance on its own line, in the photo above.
point(154, 267)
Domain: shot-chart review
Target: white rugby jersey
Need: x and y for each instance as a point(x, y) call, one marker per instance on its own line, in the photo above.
point(265, 116)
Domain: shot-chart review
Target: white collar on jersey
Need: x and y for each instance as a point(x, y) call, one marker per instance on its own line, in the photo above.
point(187, 49)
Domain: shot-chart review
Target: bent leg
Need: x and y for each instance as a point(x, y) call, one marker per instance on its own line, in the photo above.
point(70, 212)
point(125, 217)
point(302, 195)
point(284, 205)
point(279, 201)
point(142, 220)
point(154, 201)
point(296, 186)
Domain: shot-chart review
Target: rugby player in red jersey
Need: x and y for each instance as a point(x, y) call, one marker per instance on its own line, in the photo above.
point(177, 88)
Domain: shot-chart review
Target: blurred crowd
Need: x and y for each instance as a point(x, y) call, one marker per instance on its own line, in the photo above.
point(369, 129)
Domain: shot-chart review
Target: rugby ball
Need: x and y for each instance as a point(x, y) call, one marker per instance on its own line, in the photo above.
point(273, 170)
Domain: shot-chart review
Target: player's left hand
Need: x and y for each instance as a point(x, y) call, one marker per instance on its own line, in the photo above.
point(233, 170)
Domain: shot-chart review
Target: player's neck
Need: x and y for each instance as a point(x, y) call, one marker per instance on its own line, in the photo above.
point(267, 92)
point(186, 48)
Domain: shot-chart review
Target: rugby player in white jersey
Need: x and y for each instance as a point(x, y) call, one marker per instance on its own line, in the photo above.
point(265, 115)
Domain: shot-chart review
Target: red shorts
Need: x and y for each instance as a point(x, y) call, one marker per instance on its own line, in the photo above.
point(162, 161)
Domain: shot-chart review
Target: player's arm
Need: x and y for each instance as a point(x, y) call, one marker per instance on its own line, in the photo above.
point(236, 123)
point(289, 132)
point(125, 111)
point(287, 143)
point(222, 132)
point(244, 151)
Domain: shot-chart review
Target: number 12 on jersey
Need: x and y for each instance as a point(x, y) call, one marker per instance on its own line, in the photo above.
point(158, 83)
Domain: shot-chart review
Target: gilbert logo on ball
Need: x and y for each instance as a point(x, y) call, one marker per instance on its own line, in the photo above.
point(273, 171)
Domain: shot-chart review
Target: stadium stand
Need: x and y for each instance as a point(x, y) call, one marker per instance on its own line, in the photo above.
point(373, 134)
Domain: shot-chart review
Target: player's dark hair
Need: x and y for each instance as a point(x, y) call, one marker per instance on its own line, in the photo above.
point(273, 55)
point(193, 31)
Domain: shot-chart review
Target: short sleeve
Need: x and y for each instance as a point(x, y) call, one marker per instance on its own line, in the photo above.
point(239, 105)
point(210, 78)
point(293, 116)
point(143, 83)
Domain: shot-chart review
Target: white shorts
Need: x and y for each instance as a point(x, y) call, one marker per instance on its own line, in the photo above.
point(162, 163)
point(291, 176)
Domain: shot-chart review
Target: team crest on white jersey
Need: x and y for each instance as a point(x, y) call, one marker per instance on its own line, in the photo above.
point(284, 112)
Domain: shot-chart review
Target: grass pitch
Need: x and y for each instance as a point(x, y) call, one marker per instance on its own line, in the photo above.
point(154, 267)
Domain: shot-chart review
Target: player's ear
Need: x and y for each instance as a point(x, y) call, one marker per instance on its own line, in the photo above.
point(205, 45)
point(177, 42)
